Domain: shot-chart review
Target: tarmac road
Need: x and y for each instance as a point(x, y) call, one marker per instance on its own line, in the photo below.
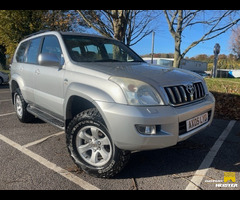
point(34, 157)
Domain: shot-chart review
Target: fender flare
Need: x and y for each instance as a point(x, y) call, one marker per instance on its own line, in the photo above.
point(89, 93)
point(18, 80)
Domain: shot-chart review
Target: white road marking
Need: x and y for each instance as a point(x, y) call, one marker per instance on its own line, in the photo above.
point(206, 163)
point(83, 184)
point(43, 139)
point(1, 92)
point(2, 115)
point(5, 100)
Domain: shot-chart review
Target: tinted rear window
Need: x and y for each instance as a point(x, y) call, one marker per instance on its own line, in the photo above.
point(33, 50)
point(21, 52)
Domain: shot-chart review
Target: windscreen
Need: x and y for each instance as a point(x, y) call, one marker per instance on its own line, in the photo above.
point(95, 49)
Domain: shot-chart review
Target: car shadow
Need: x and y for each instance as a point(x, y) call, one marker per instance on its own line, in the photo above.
point(187, 155)
point(184, 157)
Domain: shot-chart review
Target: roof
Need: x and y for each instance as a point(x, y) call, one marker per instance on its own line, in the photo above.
point(65, 33)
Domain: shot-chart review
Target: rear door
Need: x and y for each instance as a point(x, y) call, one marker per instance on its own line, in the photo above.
point(27, 61)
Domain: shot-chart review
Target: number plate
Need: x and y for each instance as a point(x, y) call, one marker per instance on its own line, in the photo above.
point(196, 121)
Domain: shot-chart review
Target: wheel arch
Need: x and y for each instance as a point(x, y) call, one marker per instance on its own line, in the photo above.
point(80, 97)
point(14, 87)
point(75, 105)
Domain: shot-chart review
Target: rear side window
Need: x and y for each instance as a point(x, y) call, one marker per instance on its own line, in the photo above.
point(33, 50)
point(21, 52)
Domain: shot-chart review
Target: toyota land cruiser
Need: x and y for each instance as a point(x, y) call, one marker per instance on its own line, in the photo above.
point(106, 98)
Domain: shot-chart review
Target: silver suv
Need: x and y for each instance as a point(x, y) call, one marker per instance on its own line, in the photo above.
point(106, 98)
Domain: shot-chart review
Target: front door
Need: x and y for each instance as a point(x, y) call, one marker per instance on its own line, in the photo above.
point(49, 80)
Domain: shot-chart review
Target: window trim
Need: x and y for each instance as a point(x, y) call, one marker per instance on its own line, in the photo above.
point(27, 48)
point(25, 51)
point(48, 36)
point(39, 49)
point(42, 42)
point(40, 46)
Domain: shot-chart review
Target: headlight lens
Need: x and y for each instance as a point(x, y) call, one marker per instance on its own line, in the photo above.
point(138, 92)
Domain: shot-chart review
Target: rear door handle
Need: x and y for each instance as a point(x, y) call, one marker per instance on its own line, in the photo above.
point(37, 71)
point(65, 81)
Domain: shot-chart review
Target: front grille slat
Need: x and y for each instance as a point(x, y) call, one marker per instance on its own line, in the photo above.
point(198, 91)
point(182, 94)
point(196, 96)
point(171, 95)
point(177, 95)
point(202, 90)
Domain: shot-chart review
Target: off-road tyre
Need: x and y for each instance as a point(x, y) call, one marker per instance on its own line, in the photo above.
point(20, 107)
point(91, 119)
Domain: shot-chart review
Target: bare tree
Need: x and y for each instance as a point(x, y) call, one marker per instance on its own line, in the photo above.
point(128, 26)
point(215, 23)
point(235, 41)
point(140, 24)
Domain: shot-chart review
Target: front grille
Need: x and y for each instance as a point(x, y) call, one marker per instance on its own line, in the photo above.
point(183, 94)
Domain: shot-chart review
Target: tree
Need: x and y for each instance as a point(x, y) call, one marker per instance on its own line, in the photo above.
point(2, 57)
point(128, 26)
point(235, 41)
point(61, 20)
point(215, 23)
point(16, 24)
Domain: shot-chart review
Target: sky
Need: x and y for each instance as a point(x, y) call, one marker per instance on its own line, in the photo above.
point(164, 43)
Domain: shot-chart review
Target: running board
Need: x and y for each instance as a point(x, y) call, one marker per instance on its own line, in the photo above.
point(46, 117)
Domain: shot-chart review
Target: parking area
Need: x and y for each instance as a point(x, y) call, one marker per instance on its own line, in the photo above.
point(34, 157)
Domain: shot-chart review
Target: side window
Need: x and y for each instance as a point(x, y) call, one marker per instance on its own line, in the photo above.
point(32, 54)
point(117, 53)
point(92, 52)
point(21, 52)
point(51, 46)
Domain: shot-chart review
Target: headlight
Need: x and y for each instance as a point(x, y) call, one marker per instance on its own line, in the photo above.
point(138, 92)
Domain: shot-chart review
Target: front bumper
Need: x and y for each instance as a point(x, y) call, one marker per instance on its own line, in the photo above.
point(121, 120)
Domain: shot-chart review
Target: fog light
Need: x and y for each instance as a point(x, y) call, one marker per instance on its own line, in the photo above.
point(148, 129)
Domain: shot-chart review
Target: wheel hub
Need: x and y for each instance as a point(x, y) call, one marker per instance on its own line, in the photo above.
point(18, 105)
point(93, 146)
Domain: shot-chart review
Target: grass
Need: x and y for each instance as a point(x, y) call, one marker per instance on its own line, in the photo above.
point(6, 71)
point(224, 85)
point(227, 94)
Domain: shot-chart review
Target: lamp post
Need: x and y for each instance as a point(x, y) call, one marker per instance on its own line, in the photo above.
point(216, 51)
point(153, 34)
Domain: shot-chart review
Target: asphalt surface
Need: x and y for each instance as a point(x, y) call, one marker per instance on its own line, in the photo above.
point(34, 157)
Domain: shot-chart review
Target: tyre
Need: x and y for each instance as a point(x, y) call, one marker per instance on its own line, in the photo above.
point(90, 146)
point(20, 107)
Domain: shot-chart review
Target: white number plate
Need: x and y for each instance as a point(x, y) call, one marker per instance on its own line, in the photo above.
point(197, 121)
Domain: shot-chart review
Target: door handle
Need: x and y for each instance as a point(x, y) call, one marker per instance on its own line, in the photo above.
point(37, 71)
point(65, 81)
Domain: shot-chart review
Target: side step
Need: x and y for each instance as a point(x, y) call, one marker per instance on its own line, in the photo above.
point(46, 117)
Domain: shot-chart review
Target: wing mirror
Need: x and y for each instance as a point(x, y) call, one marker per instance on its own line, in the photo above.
point(50, 59)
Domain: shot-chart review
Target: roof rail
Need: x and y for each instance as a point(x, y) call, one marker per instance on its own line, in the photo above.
point(36, 33)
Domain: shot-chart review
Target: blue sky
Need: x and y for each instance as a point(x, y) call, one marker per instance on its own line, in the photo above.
point(164, 42)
